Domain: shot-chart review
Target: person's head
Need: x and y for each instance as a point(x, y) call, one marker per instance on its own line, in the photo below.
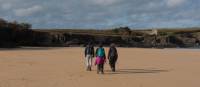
point(89, 44)
point(112, 45)
point(100, 45)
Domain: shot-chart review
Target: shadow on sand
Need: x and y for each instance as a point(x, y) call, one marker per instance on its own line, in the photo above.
point(136, 71)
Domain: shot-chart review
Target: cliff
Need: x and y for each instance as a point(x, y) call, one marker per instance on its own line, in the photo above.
point(13, 34)
point(164, 39)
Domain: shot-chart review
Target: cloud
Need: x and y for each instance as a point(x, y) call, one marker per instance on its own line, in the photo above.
point(104, 2)
point(28, 11)
point(102, 13)
point(6, 6)
point(174, 3)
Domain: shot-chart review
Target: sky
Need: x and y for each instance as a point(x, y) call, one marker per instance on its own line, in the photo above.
point(103, 14)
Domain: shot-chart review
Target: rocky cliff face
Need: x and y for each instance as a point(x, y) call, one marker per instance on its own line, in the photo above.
point(10, 38)
point(13, 37)
point(176, 40)
point(13, 34)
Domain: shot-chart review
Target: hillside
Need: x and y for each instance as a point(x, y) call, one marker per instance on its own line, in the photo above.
point(126, 37)
point(13, 34)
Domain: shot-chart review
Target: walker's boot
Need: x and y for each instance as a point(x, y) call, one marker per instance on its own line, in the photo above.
point(102, 72)
point(98, 70)
point(113, 69)
point(90, 69)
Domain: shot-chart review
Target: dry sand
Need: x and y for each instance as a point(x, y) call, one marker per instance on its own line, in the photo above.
point(64, 67)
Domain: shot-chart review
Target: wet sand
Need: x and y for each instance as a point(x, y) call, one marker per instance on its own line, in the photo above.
point(64, 67)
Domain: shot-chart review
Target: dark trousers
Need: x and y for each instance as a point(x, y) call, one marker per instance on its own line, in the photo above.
point(112, 62)
point(100, 68)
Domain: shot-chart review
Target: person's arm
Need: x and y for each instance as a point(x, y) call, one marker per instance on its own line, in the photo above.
point(92, 51)
point(109, 54)
point(85, 51)
point(104, 53)
point(96, 52)
point(116, 52)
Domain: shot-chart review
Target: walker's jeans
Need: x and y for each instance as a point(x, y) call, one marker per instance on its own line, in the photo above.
point(88, 61)
point(112, 62)
point(100, 68)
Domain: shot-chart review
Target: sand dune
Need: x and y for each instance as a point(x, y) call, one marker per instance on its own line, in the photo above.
point(64, 67)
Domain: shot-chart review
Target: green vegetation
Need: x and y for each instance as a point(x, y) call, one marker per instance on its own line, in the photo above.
point(13, 34)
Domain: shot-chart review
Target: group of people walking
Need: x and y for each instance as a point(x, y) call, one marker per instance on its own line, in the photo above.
point(100, 59)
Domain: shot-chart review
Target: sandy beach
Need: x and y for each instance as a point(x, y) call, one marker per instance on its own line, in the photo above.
point(64, 67)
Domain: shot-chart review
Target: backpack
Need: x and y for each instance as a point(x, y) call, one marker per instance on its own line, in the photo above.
point(89, 50)
point(100, 52)
point(113, 52)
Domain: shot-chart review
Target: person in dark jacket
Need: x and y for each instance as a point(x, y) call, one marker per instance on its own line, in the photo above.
point(112, 56)
point(89, 54)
